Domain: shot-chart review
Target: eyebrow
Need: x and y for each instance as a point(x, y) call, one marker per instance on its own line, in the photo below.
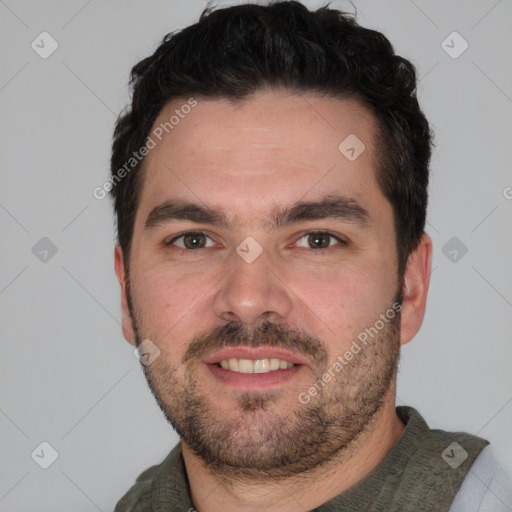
point(329, 207)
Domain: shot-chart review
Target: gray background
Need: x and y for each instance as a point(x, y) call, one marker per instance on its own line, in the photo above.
point(67, 375)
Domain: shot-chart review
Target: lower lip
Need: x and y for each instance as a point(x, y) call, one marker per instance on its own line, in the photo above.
point(253, 381)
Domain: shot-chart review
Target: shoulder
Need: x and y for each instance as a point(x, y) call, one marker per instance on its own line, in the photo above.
point(139, 496)
point(486, 488)
point(137, 499)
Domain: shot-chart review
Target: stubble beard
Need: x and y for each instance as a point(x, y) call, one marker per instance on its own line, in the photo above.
point(259, 440)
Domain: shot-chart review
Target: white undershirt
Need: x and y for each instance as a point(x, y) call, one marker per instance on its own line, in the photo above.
point(486, 487)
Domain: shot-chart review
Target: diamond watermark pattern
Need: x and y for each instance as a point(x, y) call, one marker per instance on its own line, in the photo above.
point(44, 455)
point(351, 147)
point(44, 250)
point(44, 45)
point(249, 249)
point(454, 455)
point(146, 352)
point(454, 249)
point(454, 45)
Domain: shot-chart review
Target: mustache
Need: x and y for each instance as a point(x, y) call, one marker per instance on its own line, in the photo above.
point(266, 334)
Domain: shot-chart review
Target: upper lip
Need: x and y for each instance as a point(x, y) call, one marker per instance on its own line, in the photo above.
point(253, 353)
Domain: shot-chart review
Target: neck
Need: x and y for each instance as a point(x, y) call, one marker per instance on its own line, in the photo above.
point(210, 493)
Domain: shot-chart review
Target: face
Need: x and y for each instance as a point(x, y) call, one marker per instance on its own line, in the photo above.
point(263, 254)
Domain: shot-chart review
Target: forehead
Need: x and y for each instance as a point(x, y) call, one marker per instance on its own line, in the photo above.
point(273, 149)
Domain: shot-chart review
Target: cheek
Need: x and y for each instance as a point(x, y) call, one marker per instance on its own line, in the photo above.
point(167, 306)
point(346, 302)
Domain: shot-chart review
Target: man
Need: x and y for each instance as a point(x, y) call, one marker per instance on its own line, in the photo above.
point(270, 186)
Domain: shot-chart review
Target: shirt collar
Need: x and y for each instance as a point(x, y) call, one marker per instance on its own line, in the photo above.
point(171, 490)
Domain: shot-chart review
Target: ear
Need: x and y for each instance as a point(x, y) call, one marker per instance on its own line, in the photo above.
point(415, 289)
point(128, 331)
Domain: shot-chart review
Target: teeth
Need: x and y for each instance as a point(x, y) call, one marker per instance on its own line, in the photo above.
point(255, 366)
point(261, 366)
point(245, 366)
point(274, 364)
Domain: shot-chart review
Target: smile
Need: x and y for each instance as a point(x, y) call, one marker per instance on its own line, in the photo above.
point(255, 365)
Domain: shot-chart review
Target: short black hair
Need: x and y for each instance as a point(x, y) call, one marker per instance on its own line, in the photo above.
point(235, 52)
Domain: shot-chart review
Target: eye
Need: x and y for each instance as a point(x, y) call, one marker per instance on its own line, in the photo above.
point(191, 240)
point(319, 240)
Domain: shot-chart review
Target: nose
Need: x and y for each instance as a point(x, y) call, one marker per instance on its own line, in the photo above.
point(253, 292)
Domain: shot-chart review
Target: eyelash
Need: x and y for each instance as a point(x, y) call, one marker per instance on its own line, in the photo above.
point(341, 241)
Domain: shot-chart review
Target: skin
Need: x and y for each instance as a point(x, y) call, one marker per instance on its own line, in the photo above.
point(273, 150)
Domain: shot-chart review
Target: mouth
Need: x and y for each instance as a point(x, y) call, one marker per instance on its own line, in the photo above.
point(253, 369)
point(254, 366)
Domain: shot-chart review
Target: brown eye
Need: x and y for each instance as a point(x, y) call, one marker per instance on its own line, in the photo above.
point(320, 240)
point(194, 241)
point(190, 241)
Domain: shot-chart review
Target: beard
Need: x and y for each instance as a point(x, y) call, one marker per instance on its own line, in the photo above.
point(271, 435)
